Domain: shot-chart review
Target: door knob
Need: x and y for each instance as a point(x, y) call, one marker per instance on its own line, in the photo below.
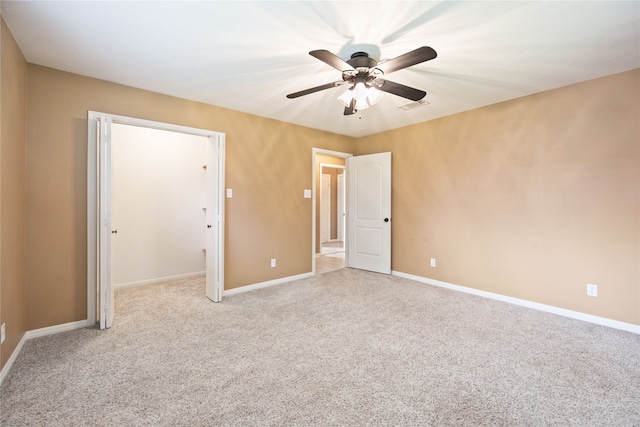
point(386, 220)
point(208, 226)
point(114, 231)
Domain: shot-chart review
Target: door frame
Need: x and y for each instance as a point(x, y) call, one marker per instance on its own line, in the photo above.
point(332, 153)
point(93, 182)
point(342, 203)
point(325, 205)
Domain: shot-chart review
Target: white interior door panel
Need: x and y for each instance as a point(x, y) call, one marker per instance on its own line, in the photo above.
point(369, 212)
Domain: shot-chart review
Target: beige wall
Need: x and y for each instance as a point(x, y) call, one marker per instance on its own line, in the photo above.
point(268, 165)
point(531, 198)
point(13, 89)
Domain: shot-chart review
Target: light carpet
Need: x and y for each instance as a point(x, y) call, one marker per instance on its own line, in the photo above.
point(348, 348)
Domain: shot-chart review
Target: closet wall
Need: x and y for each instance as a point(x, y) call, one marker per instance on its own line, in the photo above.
point(158, 196)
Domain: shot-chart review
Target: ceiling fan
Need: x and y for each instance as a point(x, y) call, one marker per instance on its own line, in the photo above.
point(363, 74)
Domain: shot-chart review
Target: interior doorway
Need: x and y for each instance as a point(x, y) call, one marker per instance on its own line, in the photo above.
point(331, 217)
point(329, 238)
point(332, 207)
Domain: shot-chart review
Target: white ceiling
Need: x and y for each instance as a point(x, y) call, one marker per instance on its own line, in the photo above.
point(248, 55)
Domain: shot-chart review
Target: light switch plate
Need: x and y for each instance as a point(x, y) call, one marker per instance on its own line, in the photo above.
point(229, 193)
point(307, 194)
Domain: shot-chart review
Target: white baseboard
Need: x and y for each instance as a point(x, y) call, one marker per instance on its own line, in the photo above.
point(158, 280)
point(39, 333)
point(629, 327)
point(12, 359)
point(255, 286)
point(56, 329)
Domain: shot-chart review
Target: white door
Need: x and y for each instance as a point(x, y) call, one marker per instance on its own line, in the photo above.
point(105, 287)
point(214, 224)
point(341, 211)
point(369, 212)
point(325, 207)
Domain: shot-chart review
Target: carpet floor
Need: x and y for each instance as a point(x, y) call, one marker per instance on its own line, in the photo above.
point(347, 347)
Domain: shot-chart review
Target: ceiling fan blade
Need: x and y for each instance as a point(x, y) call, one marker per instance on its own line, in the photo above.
point(315, 89)
point(399, 89)
point(414, 57)
point(331, 59)
point(351, 109)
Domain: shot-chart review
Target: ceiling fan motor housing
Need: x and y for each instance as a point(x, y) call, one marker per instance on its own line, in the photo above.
point(365, 69)
point(362, 60)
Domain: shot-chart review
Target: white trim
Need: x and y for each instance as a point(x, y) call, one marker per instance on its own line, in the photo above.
point(56, 329)
point(333, 153)
point(133, 121)
point(12, 359)
point(331, 166)
point(158, 280)
point(325, 202)
point(629, 327)
point(267, 284)
point(219, 235)
point(50, 330)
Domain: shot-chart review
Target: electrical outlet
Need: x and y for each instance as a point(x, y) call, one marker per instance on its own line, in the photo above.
point(3, 332)
point(592, 290)
point(273, 262)
point(433, 262)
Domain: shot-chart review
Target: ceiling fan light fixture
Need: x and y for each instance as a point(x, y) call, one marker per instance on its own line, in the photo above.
point(364, 96)
point(361, 104)
point(363, 74)
point(346, 97)
point(360, 95)
point(373, 95)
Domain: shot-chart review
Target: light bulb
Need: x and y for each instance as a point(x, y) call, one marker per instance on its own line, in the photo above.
point(361, 96)
point(373, 95)
point(346, 97)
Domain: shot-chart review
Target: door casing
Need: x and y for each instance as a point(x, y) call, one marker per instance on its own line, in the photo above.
point(341, 208)
point(93, 184)
point(325, 207)
point(314, 198)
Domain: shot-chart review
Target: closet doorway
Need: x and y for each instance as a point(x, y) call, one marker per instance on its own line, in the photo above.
point(158, 190)
point(99, 222)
